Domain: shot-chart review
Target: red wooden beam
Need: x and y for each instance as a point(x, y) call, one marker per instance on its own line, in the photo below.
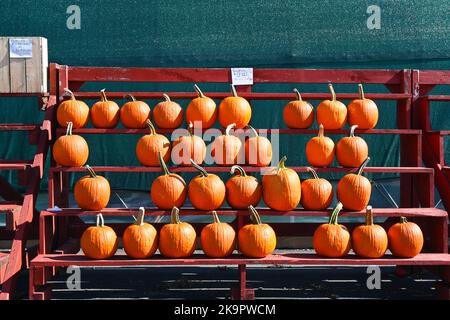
point(434, 77)
point(437, 97)
point(18, 127)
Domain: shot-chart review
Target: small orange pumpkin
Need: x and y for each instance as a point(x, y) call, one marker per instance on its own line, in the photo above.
point(256, 240)
point(362, 112)
point(99, 241)
point(282, 188)
point(218, 238)
point(92, 192)
point(140, 239)
point(351, 151)
point(242, 190)
point(206, 191)
point(149, 145)
point(168, 114)
point(74, 111)
point(331, 239)
point(317, 193)
point(235, 110)
point(177, 239)
point(369, 240)
point(354, 190)
point(298, 114)
point(70, 150)
point(105, 113)
point(320, 150)
point(188, 147)
point(332, 113)
point(226, 149)
point(201, 111)
point(134, 114)
point(258, 150)
point(405, 239)
point(168, 190)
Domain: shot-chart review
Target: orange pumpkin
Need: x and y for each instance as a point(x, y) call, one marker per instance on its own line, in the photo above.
point(188, 147)
point(92, 192)
point(369, 240)
point(320, 150)
point(206, 191)
point(234, 109)
point(201, 111)
point(99, 241)
point(168, 190)
point(354, 190)
point(168, 114)
point(74, 111)
point(332, 113)
point(298, 114)
point(218, 238)
point(177, 239)
point(70, 150)
point(258, 150)
point(105, 113)
point(405, 239)
point(331, 239)
point(148, 146)
point(362, 112)
point(256, 240)
point(134, 114)
point(242, 190)
point(226, 149)
point(281, 188)
point(140, 239)
point(317, 193)
point(351, 151)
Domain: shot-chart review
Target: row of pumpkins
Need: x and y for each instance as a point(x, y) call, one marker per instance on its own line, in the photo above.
point(281, 190)
point(257, 240)
point(298, 113)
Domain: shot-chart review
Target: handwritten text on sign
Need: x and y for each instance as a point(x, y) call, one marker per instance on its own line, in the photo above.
point(20, 48)
point(242, 76)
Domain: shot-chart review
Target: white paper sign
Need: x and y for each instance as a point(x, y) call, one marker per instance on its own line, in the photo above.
point(20, 48)
point(242, 76)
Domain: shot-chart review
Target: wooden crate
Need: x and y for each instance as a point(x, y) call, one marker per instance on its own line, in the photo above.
point(23, 71)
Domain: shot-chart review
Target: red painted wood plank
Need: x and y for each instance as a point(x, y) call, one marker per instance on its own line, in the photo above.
point(15, 164)
point(437, 97)
point(18, 127)
point(434, 77)
point(439, 132)
point(199, 259)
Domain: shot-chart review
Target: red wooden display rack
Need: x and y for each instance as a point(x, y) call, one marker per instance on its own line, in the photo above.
point(61, 229)
point(20, 208)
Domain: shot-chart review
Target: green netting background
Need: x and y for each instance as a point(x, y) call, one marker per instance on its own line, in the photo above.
point(278, 34)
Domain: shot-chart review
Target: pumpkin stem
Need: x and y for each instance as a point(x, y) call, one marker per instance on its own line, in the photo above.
point(361, 91)
point(151, 127)
point(140, 218)
point(281, 163)
point(199, 92)
point(69, 129)
point(297, 93)
point(253, 130)
point(313, 172)
point(369, 216)
point(131, 97)
point(100, 220)
point(239, 169)
point(174, 216)
point(196, 166)
point(91, 171)
point(215, 216)
point(335, 213)
point(165, 96)
point(321, 131)
point(228, 129)
point(362, 166)
point(403, 220)
point(255, 215)
point(103, 95)
point(352, 130)
point(162, 164)
point(233, 90)
point(72, 96)
point(191, 128)
point(333, 94)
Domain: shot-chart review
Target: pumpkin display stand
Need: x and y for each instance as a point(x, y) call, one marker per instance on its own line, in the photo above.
point(61, 228)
